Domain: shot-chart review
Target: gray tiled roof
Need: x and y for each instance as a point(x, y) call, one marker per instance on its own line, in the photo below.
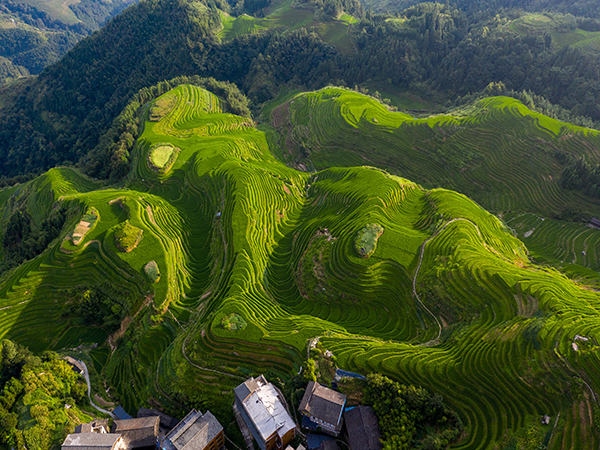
point(195, 431)
point(91, 441)
point(165, 420)
point(363, 428)
point(248, 387)
point(322, 403)
point(138, 432)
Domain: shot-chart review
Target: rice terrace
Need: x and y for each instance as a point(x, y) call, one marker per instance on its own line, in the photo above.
point(229, 247)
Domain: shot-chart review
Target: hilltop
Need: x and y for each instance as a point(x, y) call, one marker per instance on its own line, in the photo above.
point(448, 299)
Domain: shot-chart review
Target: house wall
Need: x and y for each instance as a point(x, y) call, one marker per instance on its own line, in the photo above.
point(217, 443)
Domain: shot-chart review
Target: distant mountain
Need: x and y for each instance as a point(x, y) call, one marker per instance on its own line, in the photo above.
point(35, 34)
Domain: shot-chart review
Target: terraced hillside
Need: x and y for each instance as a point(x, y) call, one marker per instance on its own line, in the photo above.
point(498, 152)
point(448, 299)
point(286, 15)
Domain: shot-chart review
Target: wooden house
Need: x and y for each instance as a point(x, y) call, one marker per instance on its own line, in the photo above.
point(324, 407)
point(262, 410)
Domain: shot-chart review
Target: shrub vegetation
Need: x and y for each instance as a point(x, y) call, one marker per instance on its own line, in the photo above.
point(127, 236)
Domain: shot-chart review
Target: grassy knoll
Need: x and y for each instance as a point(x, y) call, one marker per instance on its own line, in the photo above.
point(245, 241)
point(162, 157)
point(127, 236)
point(366, 239)
point(152, 271)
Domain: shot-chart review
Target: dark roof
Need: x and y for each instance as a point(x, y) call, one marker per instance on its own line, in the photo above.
point(197, 430)
point(322, 403)
point(121, 414)
point(363, 428)
point(92, 427)
point(138, 432)
point(165, 421)
point(595, 221)
point(91, 441)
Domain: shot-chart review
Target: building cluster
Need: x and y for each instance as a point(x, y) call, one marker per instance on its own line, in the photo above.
point(150, 430)
point(261, 412)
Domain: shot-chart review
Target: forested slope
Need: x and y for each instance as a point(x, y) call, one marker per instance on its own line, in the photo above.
point(34, 34)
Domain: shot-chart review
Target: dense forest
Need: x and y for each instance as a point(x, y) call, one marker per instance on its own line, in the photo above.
point(449, 49)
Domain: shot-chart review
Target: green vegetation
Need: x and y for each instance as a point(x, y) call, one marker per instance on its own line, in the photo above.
point(162, 157)
point(411, 417)
point(236, 233)
point(475, 149)
point(71, 114)
point(233, 322)
point(37, 33)
point(41, 401)
point(127, 236)
point(366, 239)
point(151, 270)
point(103, 305)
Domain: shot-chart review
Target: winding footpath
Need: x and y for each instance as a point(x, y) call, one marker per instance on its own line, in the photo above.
point(435, 341)
point(86, 375)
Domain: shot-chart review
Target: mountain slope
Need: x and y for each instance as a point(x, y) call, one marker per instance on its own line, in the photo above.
point(497, 151)
point(448, 299)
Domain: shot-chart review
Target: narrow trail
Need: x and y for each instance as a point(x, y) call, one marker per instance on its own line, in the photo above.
point(435, 341)
point(414, 286)
point(86, 375)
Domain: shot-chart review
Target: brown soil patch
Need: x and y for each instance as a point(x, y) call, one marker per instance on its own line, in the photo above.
point(151, 215)
point(112, 340)
point(100, 401)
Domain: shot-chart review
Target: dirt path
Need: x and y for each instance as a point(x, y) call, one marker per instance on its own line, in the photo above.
point(435, 341)
point(86, 375)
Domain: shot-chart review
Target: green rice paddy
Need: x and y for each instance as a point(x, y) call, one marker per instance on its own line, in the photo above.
point(282, 14)
point(240, 237)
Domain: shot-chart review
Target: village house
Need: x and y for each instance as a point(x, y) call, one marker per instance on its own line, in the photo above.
point(196, 431)
point(94, 441)
point(324, 407)
point(263, 411)
point(362, 428)
point(138, 433)
point(167, 423)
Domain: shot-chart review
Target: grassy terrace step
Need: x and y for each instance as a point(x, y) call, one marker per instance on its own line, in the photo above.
point(235, 231)
point(478, 151)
